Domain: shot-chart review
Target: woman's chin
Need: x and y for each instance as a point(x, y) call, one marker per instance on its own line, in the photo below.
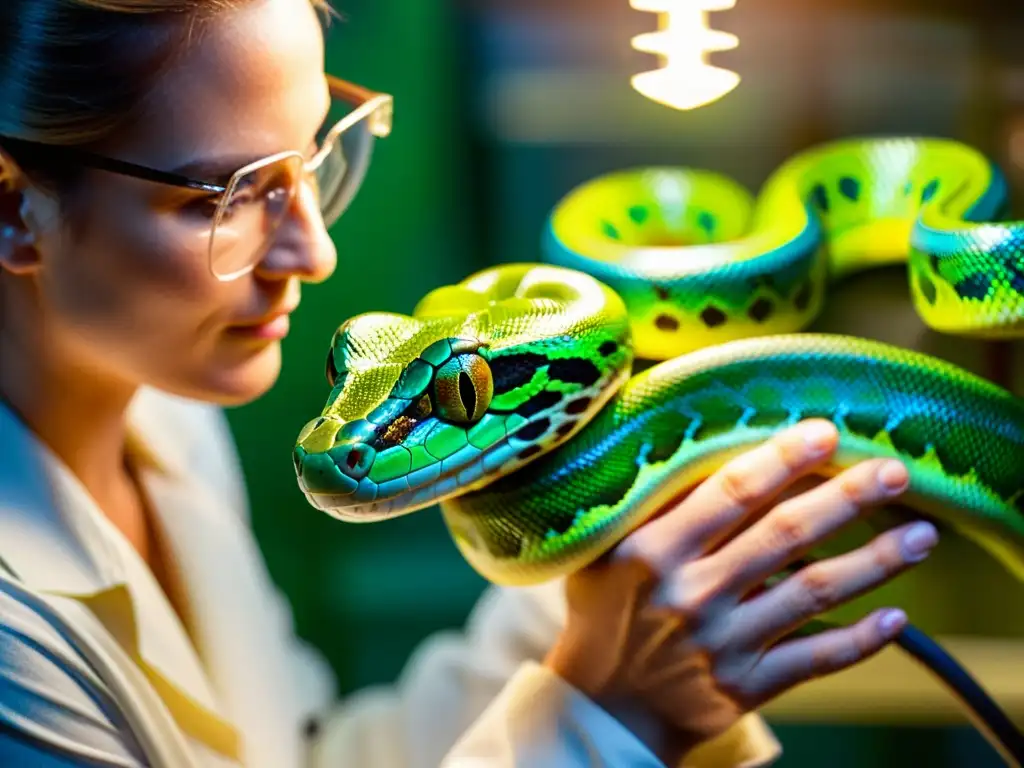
point(238, 383)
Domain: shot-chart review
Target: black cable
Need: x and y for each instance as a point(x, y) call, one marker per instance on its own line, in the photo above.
point(989, 717)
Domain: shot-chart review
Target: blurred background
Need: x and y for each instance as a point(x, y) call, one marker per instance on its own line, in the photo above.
point(500, 109)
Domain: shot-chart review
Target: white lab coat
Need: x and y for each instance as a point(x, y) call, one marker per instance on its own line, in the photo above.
point(96, 665)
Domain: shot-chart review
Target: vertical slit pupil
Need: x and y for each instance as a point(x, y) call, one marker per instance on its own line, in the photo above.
point(468, 393)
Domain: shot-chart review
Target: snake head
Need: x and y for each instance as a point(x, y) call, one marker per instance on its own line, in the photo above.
point(484, 377)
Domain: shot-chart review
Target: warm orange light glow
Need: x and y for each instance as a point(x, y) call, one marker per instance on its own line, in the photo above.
point(682, 43)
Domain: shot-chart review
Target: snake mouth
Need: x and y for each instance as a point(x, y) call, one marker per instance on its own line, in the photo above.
point(328, 479)
point(340, 480)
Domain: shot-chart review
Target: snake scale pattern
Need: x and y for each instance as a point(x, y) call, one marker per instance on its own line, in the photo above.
point(512, 398)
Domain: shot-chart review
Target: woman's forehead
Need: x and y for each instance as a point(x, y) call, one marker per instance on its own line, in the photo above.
point(251, 84)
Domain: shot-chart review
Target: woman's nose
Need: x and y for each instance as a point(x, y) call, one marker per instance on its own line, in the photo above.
point(302, 247)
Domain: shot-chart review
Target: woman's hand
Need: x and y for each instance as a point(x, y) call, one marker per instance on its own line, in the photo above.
point(674, 623)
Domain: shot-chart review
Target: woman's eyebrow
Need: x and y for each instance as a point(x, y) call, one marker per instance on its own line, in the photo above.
point(216, 169)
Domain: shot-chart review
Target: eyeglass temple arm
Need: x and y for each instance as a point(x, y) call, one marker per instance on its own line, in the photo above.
point(350, 92)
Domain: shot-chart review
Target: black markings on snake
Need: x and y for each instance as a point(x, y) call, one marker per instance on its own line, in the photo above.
point(666, 323)
point(761, 310)
point(575, 370)
point(579, 405)
point(565, 428)
point(511, 371)
point(530, 451)
point(973, 286)
point(713, 317)
point(819, 196)
point(865, 423)
point(662, 292)
point(849, 187)
point(608, 348)
point(532, 430)
point(539, 402)
point(929, 191)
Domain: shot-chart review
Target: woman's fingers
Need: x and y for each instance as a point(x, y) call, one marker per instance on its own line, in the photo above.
point(720, 505)
point(827, 584)
point(799, 524)
point(801, 660)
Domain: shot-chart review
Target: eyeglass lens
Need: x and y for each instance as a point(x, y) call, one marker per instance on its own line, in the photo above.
point(255, 204)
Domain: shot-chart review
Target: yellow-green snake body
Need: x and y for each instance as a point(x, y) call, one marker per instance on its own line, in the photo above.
point(511, 399)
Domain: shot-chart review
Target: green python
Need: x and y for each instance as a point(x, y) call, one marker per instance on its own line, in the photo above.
point(511, 397)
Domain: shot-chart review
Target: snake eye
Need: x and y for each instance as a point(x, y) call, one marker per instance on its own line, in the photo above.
point(463, 388)
point(332, 370)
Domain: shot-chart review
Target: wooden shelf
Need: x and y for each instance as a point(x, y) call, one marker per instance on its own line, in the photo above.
point(893, 689)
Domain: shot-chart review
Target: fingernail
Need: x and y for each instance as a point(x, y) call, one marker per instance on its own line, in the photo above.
point(892, 622)
point(919, 540)
point(893, 475)
point(819, 436)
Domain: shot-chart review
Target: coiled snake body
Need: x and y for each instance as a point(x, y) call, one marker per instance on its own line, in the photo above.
point(510, 398)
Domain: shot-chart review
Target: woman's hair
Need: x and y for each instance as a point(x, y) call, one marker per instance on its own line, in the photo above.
point(74, 72)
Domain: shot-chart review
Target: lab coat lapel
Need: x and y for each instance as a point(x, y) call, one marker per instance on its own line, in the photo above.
point(220, 571)
point(52, 545)
point(66, 548)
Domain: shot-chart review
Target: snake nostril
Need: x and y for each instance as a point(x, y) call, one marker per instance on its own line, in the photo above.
point(353, 458)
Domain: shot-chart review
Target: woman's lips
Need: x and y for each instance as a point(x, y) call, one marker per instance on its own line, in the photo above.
point(272, 327)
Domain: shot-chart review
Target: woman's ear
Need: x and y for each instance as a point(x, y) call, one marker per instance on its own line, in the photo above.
point(18, 254)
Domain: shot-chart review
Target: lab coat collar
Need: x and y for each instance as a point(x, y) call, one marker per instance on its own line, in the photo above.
point(66, 547)
point(44, 509)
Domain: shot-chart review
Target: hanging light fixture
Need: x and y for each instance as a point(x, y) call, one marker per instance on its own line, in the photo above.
point(685, 79)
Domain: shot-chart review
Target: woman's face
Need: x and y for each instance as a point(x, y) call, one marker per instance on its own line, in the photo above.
point(124, 285)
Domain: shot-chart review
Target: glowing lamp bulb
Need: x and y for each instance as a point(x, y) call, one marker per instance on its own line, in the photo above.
point(682, 43)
